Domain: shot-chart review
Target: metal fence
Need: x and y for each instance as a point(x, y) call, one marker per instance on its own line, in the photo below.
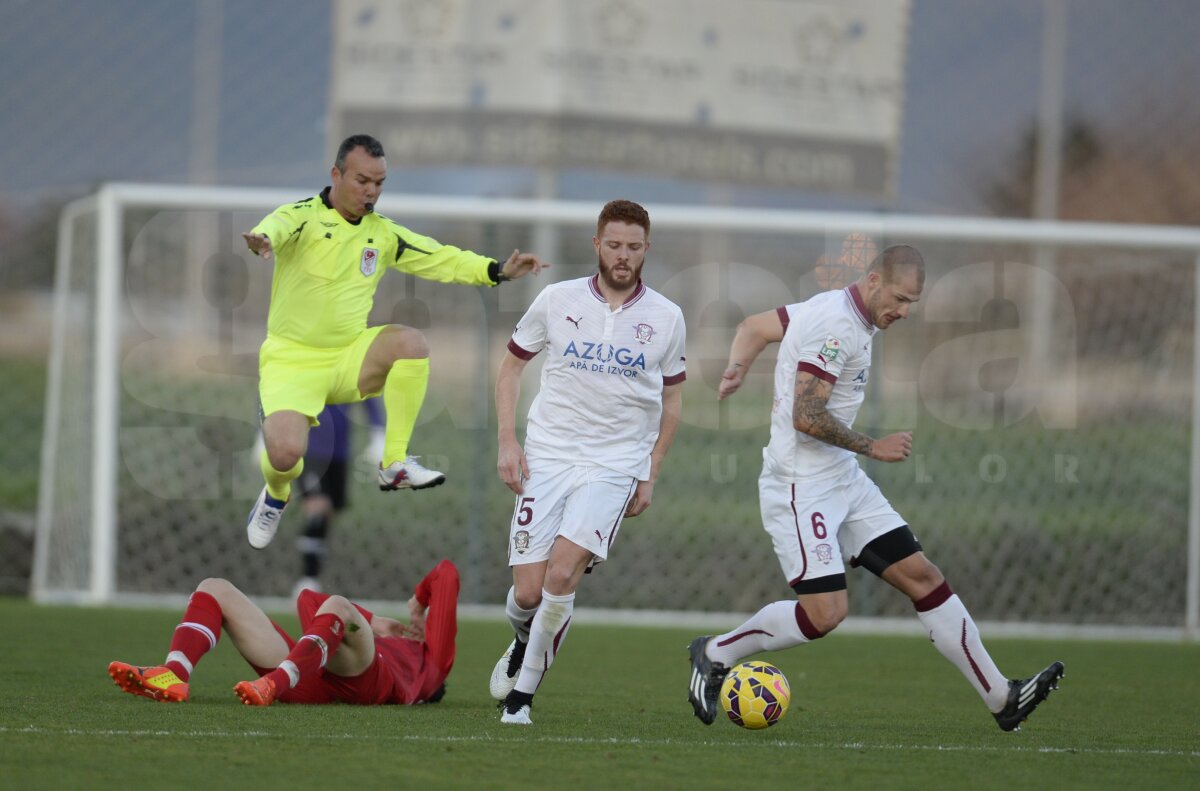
point(1036, 483)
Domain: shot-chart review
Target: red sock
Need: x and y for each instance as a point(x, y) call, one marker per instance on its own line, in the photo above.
point(312, 651)
point(439, 592)
point(196, 635)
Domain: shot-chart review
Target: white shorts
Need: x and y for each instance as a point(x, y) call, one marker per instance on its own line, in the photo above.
point(817, 527)
point(583, 504)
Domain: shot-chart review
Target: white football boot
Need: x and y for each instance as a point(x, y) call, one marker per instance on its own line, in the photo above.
point(515, 709)
point(518, 717)
point(504, 674)
point(409, 474)
point(264, 520)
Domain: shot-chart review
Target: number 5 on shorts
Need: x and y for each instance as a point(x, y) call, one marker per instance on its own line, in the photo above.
point(525, 511)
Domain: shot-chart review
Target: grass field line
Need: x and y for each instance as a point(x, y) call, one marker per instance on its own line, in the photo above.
point(689, 619)
point(633, 741)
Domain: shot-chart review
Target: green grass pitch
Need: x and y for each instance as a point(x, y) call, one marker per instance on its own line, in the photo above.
point(868, 712)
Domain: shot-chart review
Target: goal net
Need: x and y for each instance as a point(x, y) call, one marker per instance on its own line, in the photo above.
point(1048, 375)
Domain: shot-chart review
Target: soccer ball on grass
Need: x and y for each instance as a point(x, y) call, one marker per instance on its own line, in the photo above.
point(755, 695)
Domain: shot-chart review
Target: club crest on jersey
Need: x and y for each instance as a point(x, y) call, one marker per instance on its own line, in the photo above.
point(521, 542)
point(369, 260)
point(643, 333)
point(824, 553)
point(830, 351)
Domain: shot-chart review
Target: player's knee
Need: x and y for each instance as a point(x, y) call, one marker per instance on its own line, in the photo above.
point(215, 587)
point(826, 616)
point(528, 599)
point(559, 580)
point(447, 571)
point(339, 606)
point(285, 454)
point(822, 604)
point(406, 343)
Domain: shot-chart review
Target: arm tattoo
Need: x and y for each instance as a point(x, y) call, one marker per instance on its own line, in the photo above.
point(809, 411)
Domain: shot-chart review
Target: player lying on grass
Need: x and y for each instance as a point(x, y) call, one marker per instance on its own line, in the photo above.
point(346, 653)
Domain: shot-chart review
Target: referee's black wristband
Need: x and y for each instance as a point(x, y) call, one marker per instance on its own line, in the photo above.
point(495, 274)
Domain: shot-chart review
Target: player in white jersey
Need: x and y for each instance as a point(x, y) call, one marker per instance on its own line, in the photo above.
point(598, 431)
point(819, 506)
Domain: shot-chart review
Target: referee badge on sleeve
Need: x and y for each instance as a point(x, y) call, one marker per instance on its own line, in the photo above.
point(370, 258)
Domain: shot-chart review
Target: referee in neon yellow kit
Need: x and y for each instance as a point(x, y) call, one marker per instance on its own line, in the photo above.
point(330, 251)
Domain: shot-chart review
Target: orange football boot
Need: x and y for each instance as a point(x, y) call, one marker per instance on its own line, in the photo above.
point(259, 692)
point(157, 683)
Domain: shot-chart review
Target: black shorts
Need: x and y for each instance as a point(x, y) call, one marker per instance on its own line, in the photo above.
point(328, 478)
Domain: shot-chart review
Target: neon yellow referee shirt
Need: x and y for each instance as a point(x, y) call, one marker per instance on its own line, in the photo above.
point(327, 269)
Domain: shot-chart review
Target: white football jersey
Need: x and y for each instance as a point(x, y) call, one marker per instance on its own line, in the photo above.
point(600, 400)
point(828, 336)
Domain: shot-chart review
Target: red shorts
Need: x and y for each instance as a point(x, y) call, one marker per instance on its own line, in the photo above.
point(373, 686)
point(403, 671)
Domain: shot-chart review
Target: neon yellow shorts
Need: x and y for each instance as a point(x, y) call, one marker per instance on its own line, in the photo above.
point(299, 378)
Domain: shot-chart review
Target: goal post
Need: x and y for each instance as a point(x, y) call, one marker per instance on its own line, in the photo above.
point(1049, 475)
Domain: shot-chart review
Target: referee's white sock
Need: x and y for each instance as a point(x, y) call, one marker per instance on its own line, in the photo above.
point(779, 625)
point(546, 635)
point(956, 636)
point(520, 618)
